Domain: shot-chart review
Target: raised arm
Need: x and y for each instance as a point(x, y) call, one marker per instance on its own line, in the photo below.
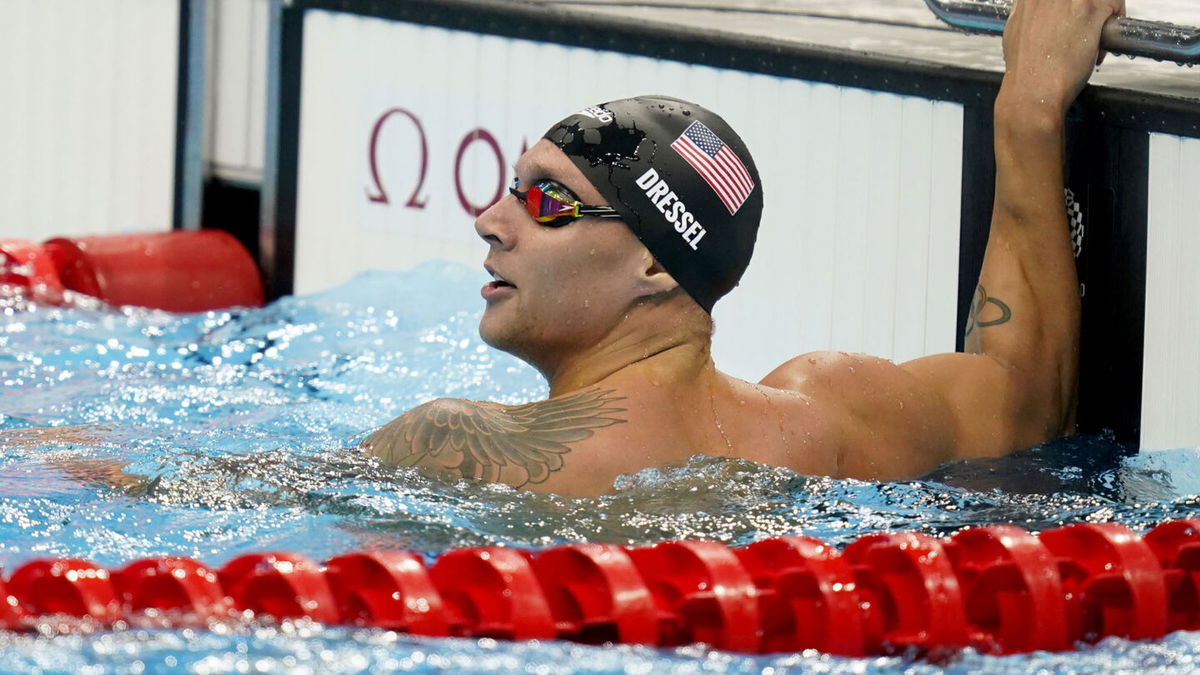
point(1024, 320)
point(1016, 385)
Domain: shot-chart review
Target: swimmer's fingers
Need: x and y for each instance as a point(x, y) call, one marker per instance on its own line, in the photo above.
point(1051, 48)
point(1112, 27)
point(101, 472)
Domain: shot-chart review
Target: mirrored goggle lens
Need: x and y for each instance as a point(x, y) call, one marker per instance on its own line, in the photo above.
point(545, 205)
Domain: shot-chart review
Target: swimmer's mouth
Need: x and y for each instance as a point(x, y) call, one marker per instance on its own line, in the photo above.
point(499, 281)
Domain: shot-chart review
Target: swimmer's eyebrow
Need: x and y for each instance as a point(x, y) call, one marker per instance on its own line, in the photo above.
point(539, 170)
point(534, 167)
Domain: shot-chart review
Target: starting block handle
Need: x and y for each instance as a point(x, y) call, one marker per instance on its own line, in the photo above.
point(1129, 37)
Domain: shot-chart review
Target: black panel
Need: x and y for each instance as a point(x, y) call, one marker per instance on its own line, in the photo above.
point(282, 260)
point(1109, 176)
point(233, 207)
point(978, 193)
point(182, 82)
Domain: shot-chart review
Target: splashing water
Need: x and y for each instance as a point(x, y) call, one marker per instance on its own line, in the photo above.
point(216, 434)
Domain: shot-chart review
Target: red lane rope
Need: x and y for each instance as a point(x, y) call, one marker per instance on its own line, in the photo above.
point(998, 589)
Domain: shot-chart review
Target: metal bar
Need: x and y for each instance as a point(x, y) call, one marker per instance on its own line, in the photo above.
point(190, 114)
point(268, 240)
point(277, 233)
point(1130, 37)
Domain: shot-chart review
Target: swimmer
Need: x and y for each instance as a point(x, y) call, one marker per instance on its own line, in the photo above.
point(630, 219)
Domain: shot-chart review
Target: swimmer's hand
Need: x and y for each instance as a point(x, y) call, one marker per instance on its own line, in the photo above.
point(518, 445)
point(1052, 47)
point(101, 472)
point(61, 443)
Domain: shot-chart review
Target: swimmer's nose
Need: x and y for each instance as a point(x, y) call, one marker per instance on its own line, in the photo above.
point(494, 224)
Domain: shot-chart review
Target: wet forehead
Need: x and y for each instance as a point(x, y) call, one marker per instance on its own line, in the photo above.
point(546, 160)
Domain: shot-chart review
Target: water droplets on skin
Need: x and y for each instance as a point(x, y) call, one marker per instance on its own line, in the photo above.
point(237, 429)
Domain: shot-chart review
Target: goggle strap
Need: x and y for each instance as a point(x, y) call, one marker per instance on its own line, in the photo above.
point(597, 211)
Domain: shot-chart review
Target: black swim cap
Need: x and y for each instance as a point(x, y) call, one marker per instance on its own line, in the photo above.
point(682, 180)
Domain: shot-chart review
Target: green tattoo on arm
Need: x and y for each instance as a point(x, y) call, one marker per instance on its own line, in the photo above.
point(481, 440)
point(979, 304)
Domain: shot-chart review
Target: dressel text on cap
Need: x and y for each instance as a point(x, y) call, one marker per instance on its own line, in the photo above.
point(659, 192)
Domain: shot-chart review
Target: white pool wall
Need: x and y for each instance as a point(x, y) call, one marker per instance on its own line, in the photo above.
point(1171, 370)
point(87, 119)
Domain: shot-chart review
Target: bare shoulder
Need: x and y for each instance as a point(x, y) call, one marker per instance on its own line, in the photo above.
point(519, 445)
point(842, 372)
point(891, 423)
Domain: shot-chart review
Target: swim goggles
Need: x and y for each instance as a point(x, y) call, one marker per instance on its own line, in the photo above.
point(547, 204)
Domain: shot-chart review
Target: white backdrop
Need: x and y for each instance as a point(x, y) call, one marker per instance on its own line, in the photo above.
point(1171, 369)
point(406, 129)
point(87, 116)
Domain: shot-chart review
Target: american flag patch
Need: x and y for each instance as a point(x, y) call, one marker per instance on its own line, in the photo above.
point(720, 166)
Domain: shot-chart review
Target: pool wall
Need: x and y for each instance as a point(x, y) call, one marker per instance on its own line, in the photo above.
point(88, 123)
point(1171, 395)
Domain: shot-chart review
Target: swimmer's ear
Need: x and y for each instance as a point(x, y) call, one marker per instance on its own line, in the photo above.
point(654, 278)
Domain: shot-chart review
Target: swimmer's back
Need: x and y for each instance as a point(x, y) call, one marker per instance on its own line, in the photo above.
point(815, 415)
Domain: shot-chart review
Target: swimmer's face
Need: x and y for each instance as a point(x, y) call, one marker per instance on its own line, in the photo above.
point(560, 289)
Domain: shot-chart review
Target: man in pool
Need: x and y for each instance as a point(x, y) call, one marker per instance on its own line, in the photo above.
point(628, 221)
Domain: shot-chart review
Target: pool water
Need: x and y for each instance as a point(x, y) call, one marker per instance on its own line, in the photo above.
point(235, 431)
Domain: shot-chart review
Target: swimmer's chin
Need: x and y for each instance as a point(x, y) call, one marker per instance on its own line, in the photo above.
point(497, 339)
point(489, 336)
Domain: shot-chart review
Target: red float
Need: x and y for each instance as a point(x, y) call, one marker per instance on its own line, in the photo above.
point(74, 588)
point(999, 589)
point(387, 589)
point(279, 585)
point(179, 271)
point(183, 587)
point(493, 593)
point(1114, 584)
point(1177, 546)
point(28, 267)
point(703, 594)
point(1013, 594)
point(808, 597)
point(597, 595)
point(910, 593)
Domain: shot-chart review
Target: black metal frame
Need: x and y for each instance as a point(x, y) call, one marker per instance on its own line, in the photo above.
point(1114, 131)
point(190, 115)
point(182, 111)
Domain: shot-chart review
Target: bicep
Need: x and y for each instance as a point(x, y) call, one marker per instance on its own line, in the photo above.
point(902, 420)
point(985, 401)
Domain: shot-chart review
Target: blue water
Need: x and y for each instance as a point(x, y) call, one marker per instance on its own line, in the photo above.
point(235, 432)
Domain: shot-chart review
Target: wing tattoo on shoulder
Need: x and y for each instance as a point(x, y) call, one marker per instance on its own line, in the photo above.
point(516, 444)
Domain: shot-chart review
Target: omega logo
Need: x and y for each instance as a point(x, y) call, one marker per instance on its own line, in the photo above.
point(378, 194)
